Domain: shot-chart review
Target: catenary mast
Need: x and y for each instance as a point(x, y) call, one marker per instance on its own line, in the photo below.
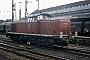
point(12, 11)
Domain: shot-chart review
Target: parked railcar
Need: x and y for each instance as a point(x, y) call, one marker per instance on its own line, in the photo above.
point(76, 26)
point(5, 27)
point(40, 30)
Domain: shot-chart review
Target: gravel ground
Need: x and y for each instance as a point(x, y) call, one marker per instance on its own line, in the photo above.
point(4, 57)
point(10, 56)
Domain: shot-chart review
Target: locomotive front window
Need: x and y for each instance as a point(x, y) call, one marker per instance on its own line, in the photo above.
point(30, 19)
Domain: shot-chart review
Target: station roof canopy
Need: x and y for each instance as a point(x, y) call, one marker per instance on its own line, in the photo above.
point(80, 19)
point(75, 4)
point(35, 15)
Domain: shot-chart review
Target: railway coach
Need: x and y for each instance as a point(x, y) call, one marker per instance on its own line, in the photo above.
point(5, 27)
point(40, 29)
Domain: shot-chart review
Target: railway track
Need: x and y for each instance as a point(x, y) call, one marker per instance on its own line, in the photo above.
point(63, 53)
point(33, 55)
point(82, 52)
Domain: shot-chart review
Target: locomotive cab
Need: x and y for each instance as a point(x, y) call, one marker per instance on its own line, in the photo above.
point(37, 17)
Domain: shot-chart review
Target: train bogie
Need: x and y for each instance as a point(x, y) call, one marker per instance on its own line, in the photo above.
point(37, 39)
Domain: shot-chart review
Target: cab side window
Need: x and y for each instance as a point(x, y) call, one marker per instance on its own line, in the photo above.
point(40, 17)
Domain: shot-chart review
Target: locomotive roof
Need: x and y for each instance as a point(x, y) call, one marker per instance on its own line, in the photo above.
point(52, 19)
point(6, 23)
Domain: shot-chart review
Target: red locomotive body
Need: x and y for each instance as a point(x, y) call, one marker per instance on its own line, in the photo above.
point(54, 26)
point(43, 26)
point(32, 27)
point(18, 27)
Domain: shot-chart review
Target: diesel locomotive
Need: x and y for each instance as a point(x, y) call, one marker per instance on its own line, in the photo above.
point(40, 29)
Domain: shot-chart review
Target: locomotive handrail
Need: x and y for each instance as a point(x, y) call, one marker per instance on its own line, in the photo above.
point(81, 37)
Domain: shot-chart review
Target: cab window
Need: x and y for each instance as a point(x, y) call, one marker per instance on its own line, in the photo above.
point(30, 19)
point(40, 17)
